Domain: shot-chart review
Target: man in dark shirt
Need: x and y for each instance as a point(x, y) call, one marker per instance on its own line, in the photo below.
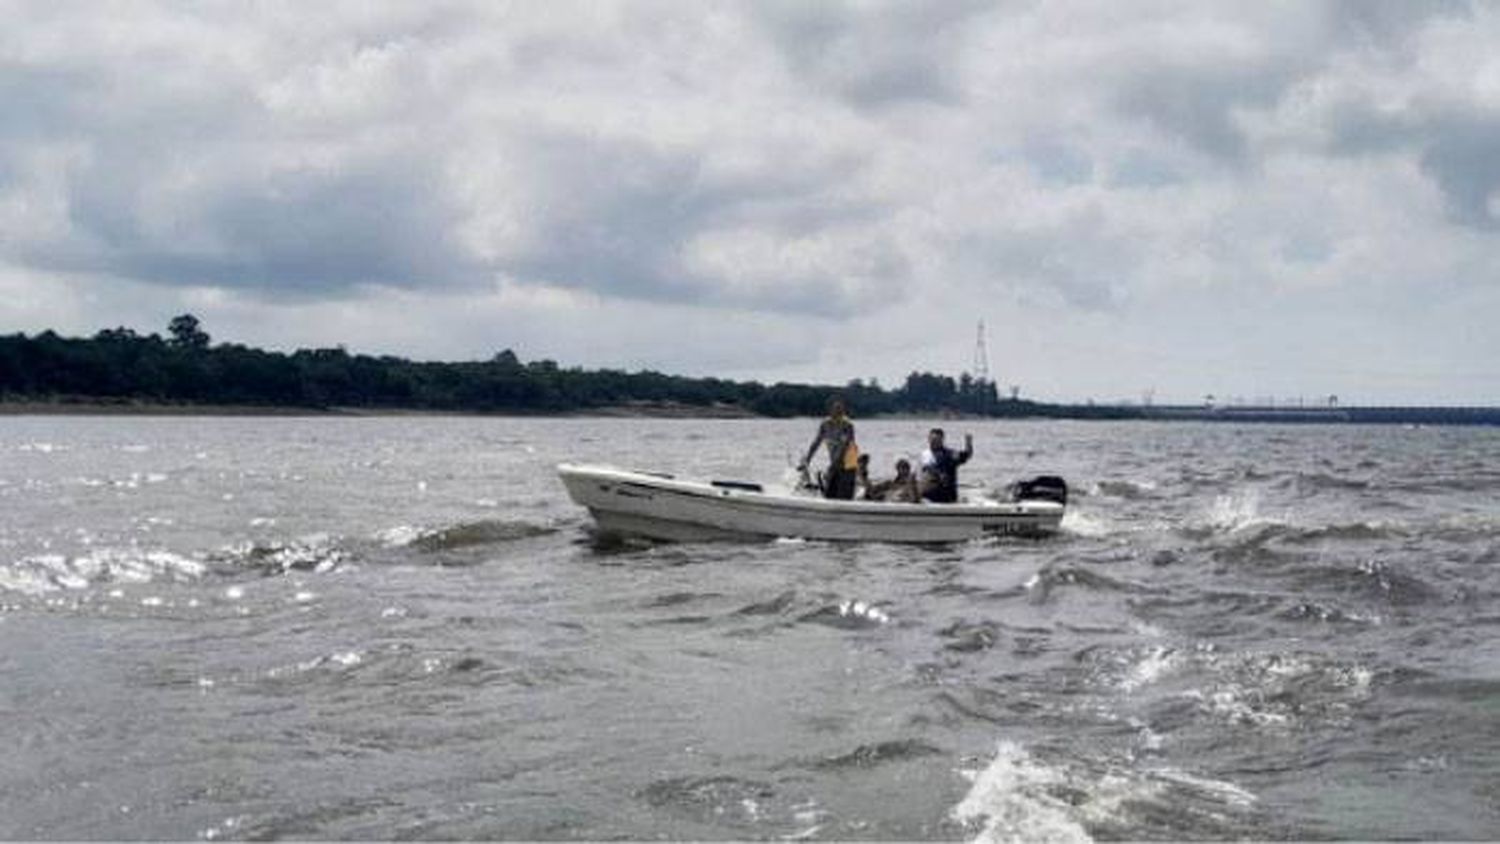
point(837, 432)
point(940, 467)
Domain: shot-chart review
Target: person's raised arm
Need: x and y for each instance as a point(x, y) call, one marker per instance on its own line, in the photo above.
point(963, 456)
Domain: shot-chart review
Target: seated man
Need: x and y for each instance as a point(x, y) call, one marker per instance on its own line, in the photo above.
point(903, 487)
point(940, 467)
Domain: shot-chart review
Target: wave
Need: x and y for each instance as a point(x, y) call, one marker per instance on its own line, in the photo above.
point(775, 606)
point(849, 615)
point(1128, 490)
point(398, 665)
point(44, 573)
point(1371, 579)
point(1184, 684)
point(319, 553)
point(1237, 512)
point(1312, 483)
point(1278, 689)
point(675, 599)
point(1322, 613)
point(969, 637)
point(1018, 797)
point(1041, 586)
point(1466, 528)
point(1469, 482)
point(1087, 525)
point(463, 535)
point(710, 799)
point(880, 753)
point(1367, 531)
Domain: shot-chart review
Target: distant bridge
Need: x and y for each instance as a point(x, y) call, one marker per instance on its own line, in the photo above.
point(1326, 415)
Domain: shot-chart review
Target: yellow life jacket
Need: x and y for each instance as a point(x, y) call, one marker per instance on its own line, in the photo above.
point(851, 457)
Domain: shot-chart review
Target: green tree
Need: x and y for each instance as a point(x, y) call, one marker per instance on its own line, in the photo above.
point(186, 333)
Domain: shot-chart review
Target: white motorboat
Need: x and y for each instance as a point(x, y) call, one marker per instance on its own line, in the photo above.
point(662, 506)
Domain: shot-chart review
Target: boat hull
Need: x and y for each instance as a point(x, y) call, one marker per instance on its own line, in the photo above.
point(664, 507)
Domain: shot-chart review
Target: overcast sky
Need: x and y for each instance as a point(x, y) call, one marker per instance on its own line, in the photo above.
point(1244, 198)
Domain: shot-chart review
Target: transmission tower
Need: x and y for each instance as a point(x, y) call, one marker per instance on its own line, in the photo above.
point(981, 356)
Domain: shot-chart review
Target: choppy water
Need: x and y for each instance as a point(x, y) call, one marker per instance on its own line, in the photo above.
point(400, 627)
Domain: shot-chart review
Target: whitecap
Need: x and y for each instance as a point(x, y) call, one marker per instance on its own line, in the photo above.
point(1234, 704)
point(401, 536)
point(1087, 525)
point(1012, 798)
point(228, 828)
point(863, 610)
point(42, 573)
point(1238, 511)
point(1157, 663)
point(315, 552)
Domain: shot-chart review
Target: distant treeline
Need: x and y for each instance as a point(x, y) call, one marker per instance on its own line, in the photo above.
point(185, 367)
point(118, 366)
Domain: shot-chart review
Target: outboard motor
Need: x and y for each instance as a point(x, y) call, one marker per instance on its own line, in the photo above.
point(1041, 488)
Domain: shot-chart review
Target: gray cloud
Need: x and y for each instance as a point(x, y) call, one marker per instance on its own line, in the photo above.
point(837, 171)
point(619, 217)
point(1462, 159)
point(901, 54)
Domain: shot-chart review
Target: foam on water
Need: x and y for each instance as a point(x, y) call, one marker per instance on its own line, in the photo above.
point(1015, 798)
point(1089, 525)
point(851, 614)
point(1157, 663)
point(318, 552)
point(401, 536)
point(43, 573)
point(1238, 511)
point(1020, 798)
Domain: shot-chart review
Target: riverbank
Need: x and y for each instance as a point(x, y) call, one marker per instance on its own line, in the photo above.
point(1423, 416)
point(130, 407)
point(126, 407)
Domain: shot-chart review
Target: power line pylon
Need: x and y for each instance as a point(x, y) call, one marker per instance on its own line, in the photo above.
point(981, 356)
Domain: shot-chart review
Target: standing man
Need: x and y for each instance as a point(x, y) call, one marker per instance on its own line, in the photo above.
point(837, 432)
point(940, 467)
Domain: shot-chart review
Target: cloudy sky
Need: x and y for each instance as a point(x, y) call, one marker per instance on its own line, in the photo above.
point(1252, 199)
